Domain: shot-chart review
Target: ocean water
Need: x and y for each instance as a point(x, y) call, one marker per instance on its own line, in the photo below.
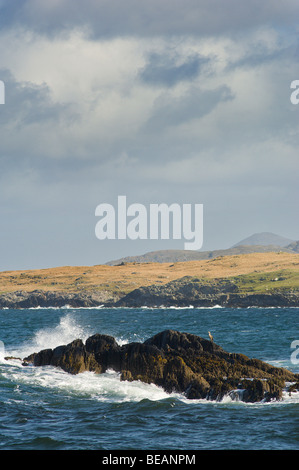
point(45, 408)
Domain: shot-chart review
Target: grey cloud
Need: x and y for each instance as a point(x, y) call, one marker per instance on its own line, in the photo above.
point(163, 70)
point(261, 56)
point(239, 162)
point(27, 103)
point(31, 132)
point(148, 18)
point(195, 104)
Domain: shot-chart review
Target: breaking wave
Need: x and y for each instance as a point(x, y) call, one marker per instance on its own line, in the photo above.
point(101, 387)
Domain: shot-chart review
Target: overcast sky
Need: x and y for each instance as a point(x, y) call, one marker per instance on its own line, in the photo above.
point(175, 101)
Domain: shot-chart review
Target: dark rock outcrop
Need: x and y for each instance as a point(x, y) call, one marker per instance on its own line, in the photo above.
point(186, 291)
point(178, 362)
point(40, 298)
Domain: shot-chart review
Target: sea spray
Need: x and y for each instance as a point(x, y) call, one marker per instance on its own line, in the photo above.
point(45, 407)
point(2, 351)
point(66, 331)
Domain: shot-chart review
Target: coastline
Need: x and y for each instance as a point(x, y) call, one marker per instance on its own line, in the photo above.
point(43, 299)
point(249, 280)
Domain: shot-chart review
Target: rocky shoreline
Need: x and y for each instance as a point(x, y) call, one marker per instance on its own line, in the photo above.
point(180, 293)
point(187, 291)
point(46, 299)
point(177, 362)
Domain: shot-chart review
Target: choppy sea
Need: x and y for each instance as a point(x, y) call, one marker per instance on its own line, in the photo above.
point(45, 408)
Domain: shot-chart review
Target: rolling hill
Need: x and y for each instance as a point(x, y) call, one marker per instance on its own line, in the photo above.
point(245, 246)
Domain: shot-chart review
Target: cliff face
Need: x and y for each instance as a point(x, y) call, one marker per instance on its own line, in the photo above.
point(178, 362)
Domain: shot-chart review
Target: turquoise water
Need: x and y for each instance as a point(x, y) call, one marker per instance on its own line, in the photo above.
point(45, 408)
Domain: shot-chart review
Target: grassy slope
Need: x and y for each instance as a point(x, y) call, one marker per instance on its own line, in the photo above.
point(255, 272)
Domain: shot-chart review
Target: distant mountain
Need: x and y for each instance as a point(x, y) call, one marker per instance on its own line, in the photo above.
point(257, 243)
point(265, 239)
point(294, 246)
point(175, 256)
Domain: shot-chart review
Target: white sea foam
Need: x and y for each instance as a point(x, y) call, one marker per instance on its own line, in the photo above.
point(102, 387)
point(64, 307)
point(109, 388)
point(105, 387)
point(65, 332)
point(175, 307)
point(2, 351)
